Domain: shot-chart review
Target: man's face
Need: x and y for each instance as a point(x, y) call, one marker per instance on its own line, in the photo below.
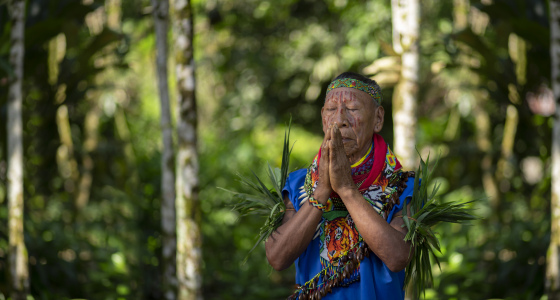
point(358, 117)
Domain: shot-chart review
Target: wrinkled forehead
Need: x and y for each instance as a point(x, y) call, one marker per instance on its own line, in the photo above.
point(348, 95)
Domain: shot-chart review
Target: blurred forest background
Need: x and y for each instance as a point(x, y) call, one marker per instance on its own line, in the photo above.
point(91, 114)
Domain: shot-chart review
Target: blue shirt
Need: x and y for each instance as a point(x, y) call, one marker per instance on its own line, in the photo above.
point(376, 280)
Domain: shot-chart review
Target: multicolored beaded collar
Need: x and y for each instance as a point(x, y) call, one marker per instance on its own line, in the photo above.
point(373, 91)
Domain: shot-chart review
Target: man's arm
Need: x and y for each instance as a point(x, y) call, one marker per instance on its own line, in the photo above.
point(292, 237)
point(296, 232)
point(384, 239)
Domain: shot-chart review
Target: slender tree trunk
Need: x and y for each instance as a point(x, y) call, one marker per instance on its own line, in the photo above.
point(484, 143)
point(19, 273)
point(466, 15)
point(94, 22)
point(108, 15)
point(91, 140)
point(553, 261)
point(91, 132)
point(505, 166)
point(68, 167)
point(189, 241)
point(67, 164)
point(168, 220)
point(406, 30)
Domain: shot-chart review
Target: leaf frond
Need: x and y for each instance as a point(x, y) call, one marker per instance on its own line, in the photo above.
point(425, 212)
point(265, 200)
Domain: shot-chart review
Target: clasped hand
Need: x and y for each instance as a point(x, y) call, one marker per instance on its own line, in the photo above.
point(335, 173)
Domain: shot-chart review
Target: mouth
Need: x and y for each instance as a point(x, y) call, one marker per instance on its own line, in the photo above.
point(346, 140)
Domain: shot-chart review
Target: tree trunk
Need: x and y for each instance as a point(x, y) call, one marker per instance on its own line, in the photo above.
point(406, 31)
point(406, 24)
point(91, 138)
point(67, 165)
point(188, 212)
point(168, 220)
point(19, 274)
point(553, 262)
point(484, 144)
point(94, 22)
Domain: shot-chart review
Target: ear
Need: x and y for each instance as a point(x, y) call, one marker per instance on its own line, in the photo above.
point(379, 118)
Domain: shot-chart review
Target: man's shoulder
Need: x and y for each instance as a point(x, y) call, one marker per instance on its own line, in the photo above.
point(294, 183)
point(295, 180)
point(297, 174)
point(409, 186)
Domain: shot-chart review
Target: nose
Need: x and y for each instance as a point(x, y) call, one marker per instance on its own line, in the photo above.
point(341, 117)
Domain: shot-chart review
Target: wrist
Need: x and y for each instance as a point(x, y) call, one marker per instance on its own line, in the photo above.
point(316, 204)
point(321, 195)
point(347, 192)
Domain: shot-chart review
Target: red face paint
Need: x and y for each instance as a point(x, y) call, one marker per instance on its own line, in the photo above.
point(352, 111)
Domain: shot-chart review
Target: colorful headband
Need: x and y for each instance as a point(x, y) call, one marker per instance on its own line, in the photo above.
point(373, 91)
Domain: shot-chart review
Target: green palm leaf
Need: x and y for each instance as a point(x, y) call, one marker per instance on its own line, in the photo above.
point(262, 200)
point(425, 212)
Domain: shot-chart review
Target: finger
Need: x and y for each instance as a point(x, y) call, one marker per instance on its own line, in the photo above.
point(324, 145)
point(325, 148)
point(332, 133)
point(339, 139)
point(328, 135)
point(334, 137)
point(337, 134)
point(327, 153)
point(332, 150)
point(333, 158)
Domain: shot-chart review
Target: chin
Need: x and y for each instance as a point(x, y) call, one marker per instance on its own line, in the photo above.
point(350, 151)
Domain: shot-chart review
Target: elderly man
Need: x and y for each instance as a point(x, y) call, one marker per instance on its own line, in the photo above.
point(343, 225)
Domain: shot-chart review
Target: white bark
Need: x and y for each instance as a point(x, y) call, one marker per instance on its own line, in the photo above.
point(67, 165)
point(484, 143)
point(406, 31)
point(505, 166)
point(91, 134)
point(168, 220)
point(189, 243)
point(552, 268)
point(95, 22)
point(19, 274)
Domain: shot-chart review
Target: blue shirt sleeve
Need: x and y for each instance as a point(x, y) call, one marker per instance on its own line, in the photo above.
point(294, 182)
point(405, 197)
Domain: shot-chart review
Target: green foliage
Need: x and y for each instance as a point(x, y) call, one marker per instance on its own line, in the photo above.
point(265, 201)
point(425, 212)
point(258, 62)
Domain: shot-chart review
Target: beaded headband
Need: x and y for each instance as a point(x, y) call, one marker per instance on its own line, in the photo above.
point(373, 91)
